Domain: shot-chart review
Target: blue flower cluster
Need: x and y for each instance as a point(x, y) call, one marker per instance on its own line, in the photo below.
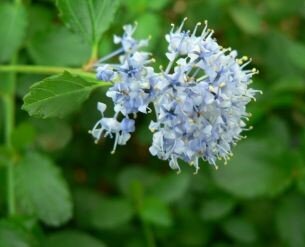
point(199, 99)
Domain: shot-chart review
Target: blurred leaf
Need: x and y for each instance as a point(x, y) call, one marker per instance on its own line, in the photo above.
point(287, 84)
point(189, 229)
point(42, 191)
point(275, 55)
point(155, 211)
point(52, 134)
point(135, 6)
point(135, 241)
point(149, 25)
point(58, 95)
point(157, 4)
point(14, 235)
point(24, 83)
point(86, 201)
point(58, 46)
point(12, 29)
point(5, 155)
point(29, 224)
point(281, 10)
point(253, 171)
point(296, 52)
point(40, 17)
point(290, 221)
point(299, 159)
point(111, 213)
point(240, 230)
point(72, 238)
point(23, 135)
point(172, 187)
point(106, 46)
point(276, 126)
point(90, 19)
point(6, 87)
point(246, 18)
point(216, 208)
point(134, 174)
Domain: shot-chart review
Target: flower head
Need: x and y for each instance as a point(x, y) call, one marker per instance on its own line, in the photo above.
point(202, 111)
point(131, 91)
point(199, 99)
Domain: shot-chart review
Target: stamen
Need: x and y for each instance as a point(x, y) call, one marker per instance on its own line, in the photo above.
point(245, 64)
point(202, 78)
point(182, 24)
point(195, 29)
point(204, 29)
point(115, 143)
point(196, 165)
point(173, 27)
point(112, 54)
point(221, 85)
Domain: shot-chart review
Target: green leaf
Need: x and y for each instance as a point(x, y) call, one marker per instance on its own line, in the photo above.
point(6, 87)
point(42, 191)
point(23, 135)
point(294, 84)
point(135, 174)
point(172, 188)
point(72, 238)
point(155, 211)
point(90, 18)
point(12, 29)
point(85, 202)
point(94, 211)
point(157, 4)
point(24, 82)
point(58, 46)
point(40, 16)
point(58, 95)
point(296, 53)
point(254, 170)
point(6, 155)
point(290, 221)
point(14, 235)
point(240, 229)
point(134, 7)
point(111, 213)
point(149, 25)
point(246, 18)
point(52, 134)
point(216, 208)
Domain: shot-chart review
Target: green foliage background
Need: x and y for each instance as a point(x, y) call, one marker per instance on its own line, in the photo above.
point(71, 192)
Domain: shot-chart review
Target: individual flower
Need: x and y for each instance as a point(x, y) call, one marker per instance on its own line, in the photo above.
point(112, 127)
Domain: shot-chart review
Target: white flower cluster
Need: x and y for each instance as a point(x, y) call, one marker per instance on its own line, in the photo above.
point(199, 99)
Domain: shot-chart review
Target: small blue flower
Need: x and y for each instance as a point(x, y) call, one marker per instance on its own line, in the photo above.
point(105, 73)
point(128, 125)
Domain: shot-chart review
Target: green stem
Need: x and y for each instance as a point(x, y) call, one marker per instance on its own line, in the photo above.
point(148, 234)
point(9, 109)
point(34, 69)
point(93, 58)
point(94, 52)
point(138, 198)
point(9, 122)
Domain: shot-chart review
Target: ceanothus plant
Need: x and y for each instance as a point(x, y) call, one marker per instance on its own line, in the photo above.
point(199, 99)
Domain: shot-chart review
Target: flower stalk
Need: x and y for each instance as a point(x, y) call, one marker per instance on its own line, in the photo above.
point(48, 70)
